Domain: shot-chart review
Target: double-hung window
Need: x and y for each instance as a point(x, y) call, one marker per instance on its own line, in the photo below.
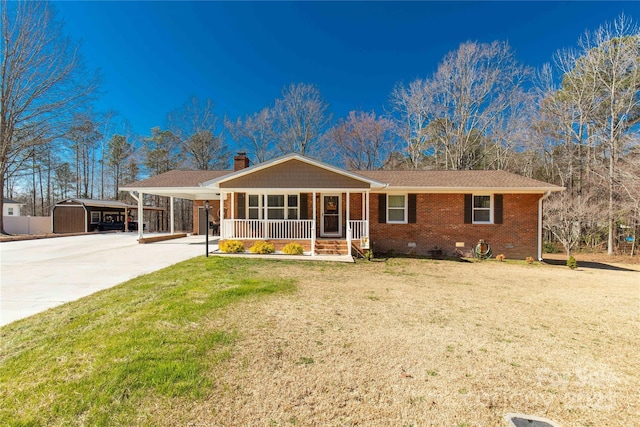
point(95, 217)
point(396, 208)
point(277, 206)
point(482, 209)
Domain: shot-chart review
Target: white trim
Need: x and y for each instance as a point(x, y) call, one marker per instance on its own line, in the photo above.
point(540, 217)
point(405, 208)
point(467, 190)
point(473, 208)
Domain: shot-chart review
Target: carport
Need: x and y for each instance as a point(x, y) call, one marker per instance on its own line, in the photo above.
point(78, 215)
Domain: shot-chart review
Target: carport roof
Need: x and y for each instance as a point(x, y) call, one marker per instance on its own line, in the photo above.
point(102, 204)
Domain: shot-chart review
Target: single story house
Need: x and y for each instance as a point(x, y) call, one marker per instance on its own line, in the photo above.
point(11, 207)
point(327, 208)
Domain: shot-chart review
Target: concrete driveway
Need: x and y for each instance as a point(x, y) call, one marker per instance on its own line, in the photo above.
point(39, 274)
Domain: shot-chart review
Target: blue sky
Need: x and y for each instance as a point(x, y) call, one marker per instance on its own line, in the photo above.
point(155, 55)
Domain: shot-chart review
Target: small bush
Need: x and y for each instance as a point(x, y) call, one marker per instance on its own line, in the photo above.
point(572, 263)
point(231, 246)
point(529, 260)
point(368, 255)
point(501, 257)
point(293, 249)
point(262, 247)
point(550, 248)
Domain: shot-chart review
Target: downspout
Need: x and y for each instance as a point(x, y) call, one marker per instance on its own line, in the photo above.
point(542, 199)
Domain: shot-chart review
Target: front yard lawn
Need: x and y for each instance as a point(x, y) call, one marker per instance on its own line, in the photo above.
point(235, 342)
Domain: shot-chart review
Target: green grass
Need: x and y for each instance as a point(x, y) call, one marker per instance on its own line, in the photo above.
point(99, 360)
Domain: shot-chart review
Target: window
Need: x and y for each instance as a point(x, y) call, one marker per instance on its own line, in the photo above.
point(10, 211)
point(397, 208)
point(254, 206)
point(278, 206)
point(275, 206)
point(292, 206)
point(482, 209)
point(95, 217)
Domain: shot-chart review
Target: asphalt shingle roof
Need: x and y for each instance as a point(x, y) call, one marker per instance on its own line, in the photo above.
point(452, 179)
point(178, 178)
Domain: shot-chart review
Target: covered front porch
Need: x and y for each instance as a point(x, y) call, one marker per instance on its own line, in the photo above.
point(318, 220)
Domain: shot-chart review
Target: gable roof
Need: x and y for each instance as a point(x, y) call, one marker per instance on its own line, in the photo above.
point(458, 181)
point(312, 166)
point(295, 171)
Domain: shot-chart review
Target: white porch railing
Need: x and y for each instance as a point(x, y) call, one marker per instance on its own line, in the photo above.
point(275, 229)
point(358, 228)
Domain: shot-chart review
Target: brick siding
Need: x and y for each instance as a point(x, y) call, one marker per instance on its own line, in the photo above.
point(440, 225)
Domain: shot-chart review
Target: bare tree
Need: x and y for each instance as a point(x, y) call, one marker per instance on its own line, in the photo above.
point(474, 88)
point(200, 134)
point(463, 117)
point(255, 134)
point(362, 140)
point(565, 215)
point(300, 118)
point(413, 108)
point(43, 80)
point(595, 109)
point(83, 138)
point(118, 151)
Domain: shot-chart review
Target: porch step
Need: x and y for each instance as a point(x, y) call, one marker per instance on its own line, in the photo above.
point(332, 247)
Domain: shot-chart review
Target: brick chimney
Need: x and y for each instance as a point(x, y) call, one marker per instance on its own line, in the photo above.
point(240, 161)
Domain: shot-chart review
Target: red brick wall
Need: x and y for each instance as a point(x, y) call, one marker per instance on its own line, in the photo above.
point(440, 224)
point(197, 204)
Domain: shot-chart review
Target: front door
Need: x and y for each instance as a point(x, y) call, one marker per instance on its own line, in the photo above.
point(331, 218)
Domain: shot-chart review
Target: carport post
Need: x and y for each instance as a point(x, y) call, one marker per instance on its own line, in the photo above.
point(172, 215)
point(207, 205)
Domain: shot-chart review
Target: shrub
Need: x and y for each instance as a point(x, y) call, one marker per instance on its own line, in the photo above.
point(231, 246)
point(501, 257)
point(529, 260)
point(572, 263)
point(550, 248)
point(368, 255)
point(292, 249)
point(262, 247)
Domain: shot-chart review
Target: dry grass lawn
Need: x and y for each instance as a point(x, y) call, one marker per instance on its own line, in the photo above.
point(418, 342)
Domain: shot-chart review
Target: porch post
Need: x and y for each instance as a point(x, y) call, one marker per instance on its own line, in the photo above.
point(313, 227)
point(367, 214)
point(172, 215)
point(348, 224)
point(221, 215)
point(265, 204)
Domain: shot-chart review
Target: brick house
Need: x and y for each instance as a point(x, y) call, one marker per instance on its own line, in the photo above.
point(326, 208)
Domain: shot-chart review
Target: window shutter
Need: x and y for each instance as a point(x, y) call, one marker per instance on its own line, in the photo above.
point(468, 208)
point(304, 206)
point(382, 208)
point(242, 206)
point(497, 208)
point(412, 204)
